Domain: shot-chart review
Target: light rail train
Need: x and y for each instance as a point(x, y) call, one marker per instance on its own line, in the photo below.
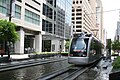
point(84, 49)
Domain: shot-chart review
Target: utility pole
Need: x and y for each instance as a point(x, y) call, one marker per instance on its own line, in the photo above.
point(10, 11)
point(10, 17)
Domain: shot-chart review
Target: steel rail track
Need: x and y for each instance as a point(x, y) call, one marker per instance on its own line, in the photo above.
point(28, 64)
point(54, 74)
point(69, 73)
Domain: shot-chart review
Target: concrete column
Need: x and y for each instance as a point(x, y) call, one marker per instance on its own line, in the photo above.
point(34, 43)
point(38, 43)
point(63, 45)
point(19, 45)
point(57, 45)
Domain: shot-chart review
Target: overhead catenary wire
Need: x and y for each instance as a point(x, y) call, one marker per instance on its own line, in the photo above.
point(104, 11)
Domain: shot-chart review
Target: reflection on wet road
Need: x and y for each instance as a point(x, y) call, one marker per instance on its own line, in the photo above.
point(32, 73)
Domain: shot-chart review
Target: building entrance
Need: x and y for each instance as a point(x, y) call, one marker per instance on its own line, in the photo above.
point(46, 45)
point(29, 44)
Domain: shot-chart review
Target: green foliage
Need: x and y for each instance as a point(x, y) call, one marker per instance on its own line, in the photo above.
point(8, 32)
point(67, 44)
point(116, 63)
point(116, 45)
point(108, 44)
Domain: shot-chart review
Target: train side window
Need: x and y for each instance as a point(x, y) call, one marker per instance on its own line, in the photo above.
point(92, 47)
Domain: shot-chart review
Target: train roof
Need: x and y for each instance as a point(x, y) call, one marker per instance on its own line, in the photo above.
point(82, 35)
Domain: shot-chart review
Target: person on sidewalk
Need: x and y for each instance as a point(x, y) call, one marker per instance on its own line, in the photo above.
point(2, 51)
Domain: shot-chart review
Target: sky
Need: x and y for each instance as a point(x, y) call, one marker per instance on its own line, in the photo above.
point(110, 18)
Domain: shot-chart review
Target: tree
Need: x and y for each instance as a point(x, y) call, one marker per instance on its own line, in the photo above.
point(67, 44)
point(116, 46)
point(8, 33)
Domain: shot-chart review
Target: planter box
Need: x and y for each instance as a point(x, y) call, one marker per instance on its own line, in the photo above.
point(4, 59)
point(42, 55)
point(114, 76)
point(115, 73)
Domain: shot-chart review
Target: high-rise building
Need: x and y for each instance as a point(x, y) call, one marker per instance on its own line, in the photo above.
point(56, 24)
point(117, 35)
point(99, 21)
point(83, 17)
point(86, 17)
point(43, 25)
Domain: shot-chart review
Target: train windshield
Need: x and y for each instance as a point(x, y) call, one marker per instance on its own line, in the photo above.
point(79, 47)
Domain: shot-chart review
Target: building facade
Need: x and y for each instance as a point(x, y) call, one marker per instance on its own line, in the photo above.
point(82, 19)
point(56, 24)
point(99, 21)
point(85, 17)
point(40, 24)
point(117, 34)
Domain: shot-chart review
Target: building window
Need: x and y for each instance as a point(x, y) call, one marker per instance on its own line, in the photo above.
point(73, 2)
point(32, 7)
point(47, 11)
point(73, 22)
point(54, 15)
point(73, 14)
point(76, 2)
point(73, 10)
point(78, 22)
point(78, 31)
point(4, 6)
point(54, 3)
point(78, 26)
point(19, 0)
point(32, 17)
point(78, 18)
point(78, 9)
point(50, 1)
point(46, 26)
point(36, 2)
point(73, 18)
point(17, 11)
point(78, 14)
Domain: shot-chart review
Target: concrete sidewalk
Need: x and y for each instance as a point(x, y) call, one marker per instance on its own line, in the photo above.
point(13, 58)
point(23, 56)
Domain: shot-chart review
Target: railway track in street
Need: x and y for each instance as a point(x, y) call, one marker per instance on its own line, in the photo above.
point(69, 73)
point(28, 63)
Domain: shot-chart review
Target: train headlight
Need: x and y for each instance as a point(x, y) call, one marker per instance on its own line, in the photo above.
point(84, 54)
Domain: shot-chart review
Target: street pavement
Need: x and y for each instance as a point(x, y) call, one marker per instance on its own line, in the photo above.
point(20, 61)
point(104, 67)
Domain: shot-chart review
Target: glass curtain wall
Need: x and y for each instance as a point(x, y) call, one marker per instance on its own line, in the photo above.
point(63, 19)
point(68, 16)
point(4, 6)
point(32, 17)
point(17, 11)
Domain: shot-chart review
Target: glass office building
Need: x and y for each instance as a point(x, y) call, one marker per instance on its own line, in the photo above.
point(60, 17)
point(57, 22)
